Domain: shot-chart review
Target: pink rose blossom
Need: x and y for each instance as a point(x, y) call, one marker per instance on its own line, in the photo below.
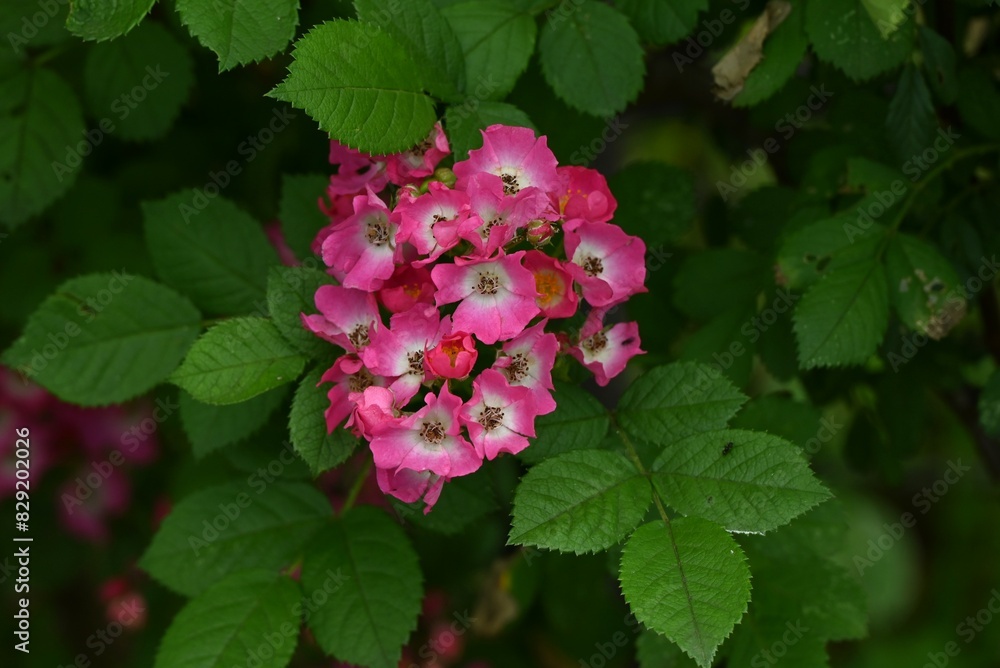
point(428, 440)
point(497, 296)
point(408, 286)
point(408, 486)
point(500, 417)
point(497, 218)
point(420, 161)
point(398, 352)
point(583, 193)
point(528, 360)
point(606, 351)
point(349, 376)
point(453, 357)
point(363, 248)
point(430, 222)
point(356, 171)
point(520, 159)
point(347, 316)
point(556, 297)
point(608, 264)
point(374, 409)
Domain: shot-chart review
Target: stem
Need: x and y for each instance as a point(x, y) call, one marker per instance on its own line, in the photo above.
point(956, 157)
point(359, 482)
point(634, 456)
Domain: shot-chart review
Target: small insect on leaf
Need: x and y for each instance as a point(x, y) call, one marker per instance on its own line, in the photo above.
point(729, 448)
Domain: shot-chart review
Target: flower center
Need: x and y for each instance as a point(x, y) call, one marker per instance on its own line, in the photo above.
point(592, 266)
point(484, 231)
point(517, 369)
point(416, 362)
point(549, 286)
point(359, 337)
point(488, 283)
point(491, 417)
point(595, 344)
point(432, 431)
point(376, 232)
point(510, 184)
point(360, 381)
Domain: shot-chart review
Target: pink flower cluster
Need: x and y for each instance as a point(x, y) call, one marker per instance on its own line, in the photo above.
point(453, 258)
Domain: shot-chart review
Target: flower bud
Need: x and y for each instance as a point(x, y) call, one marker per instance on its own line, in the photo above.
point(540, 232)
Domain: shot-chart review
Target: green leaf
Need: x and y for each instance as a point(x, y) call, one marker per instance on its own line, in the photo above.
point(137, 84)
point(429, 39)
point(307, 426)
point(100, 19)
point(299, 212)
point(718, 280)
point(212, 427)
point(842, 318)
point(677, 400)
point(464, 122)
point(783, 51)
point(236, 360)
point(105, 338)
point(687, 579)
point(374, 608)
point(291, 292)
point(582, 501)
point(843, 34)
point(41, 143)
point(233, 620)
point(654, 651)
point(756, 484)
point(360, 85)
point(241, 31)
point(592, 58)
point(242, 525)
point(497, 40)
point(579, 422)
point(218, 255)
point(807, 254)
point(887, 15)
point(924, 286)
point(939, 59)
point(989, 406)
point(655, 201)
point(20, 28)
point(911, 123)
point(663, 21)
